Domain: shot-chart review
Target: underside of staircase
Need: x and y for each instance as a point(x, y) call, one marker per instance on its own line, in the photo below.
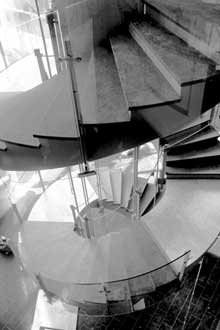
point(134, 72)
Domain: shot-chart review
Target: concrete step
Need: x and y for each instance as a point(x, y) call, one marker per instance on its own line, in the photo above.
point(172, 56)
point(195, 22)
point(143, 84)
point(186, 69)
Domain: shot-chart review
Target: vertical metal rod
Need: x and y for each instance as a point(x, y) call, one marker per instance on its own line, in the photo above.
point(59, 37)
point(43, 37)
point(41, 181)
point(3, 55)
point(185, 261)
point(163, 170)
point(77, 112)
point(87, 226)
point(51, 21)
point(74, 214)
point(72, 187)
point(192, 295)
point(15, 209)
point(88, 210)
point(135, 185)
point(156, 178)
point(43, 73)
point(99, 186)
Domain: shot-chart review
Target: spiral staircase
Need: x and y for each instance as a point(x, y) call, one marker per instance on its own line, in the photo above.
point(131, 73)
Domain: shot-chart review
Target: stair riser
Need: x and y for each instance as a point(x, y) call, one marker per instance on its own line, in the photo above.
point(180, 176)
point(181, 32)
point(194, 146)
point(195, 162)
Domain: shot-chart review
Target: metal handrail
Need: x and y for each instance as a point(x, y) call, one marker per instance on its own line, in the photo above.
point(136, 276)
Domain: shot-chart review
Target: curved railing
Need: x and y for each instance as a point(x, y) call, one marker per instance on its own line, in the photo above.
point(115, 297)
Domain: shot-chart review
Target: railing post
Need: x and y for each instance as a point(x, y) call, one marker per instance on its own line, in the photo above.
point(43, 37)
point(106, 292)
point(51, 21)
point(72, 188)
point(41, 181)
point(162, 176)
point(184, 265)
point(157, 172)
point(77, 221)
point(99, 187)
point(3, 55)
point(192, 295)
point(136, 197)
point(42, 70)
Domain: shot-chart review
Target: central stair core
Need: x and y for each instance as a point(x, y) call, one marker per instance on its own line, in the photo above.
point(111, 218)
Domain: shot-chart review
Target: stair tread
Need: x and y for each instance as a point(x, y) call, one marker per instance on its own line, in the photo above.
point(111, 104)
point(142, 82)
point(198, 16)
point(41, 105)
point(208, 152)
point(37, 111)
point(184, 62)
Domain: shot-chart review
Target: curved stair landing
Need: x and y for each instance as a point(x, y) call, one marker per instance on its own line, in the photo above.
point(187, 217)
